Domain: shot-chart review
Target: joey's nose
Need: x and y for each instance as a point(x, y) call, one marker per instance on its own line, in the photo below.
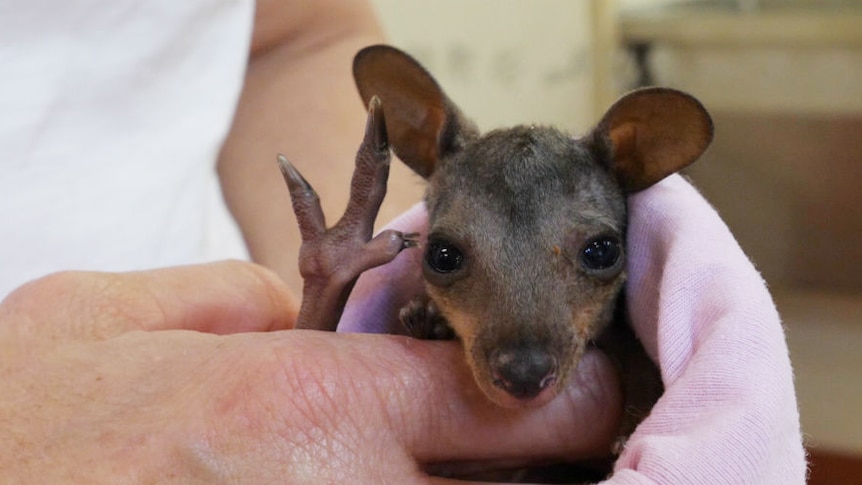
point(524, 373)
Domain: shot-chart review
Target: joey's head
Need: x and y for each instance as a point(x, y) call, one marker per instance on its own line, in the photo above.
point(525, 254)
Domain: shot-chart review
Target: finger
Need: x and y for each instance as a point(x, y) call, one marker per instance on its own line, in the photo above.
point(225, 297)
point(581, 422)
point(431, 402)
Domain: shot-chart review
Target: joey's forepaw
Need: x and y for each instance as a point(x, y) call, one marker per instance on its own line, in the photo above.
point(423, 320)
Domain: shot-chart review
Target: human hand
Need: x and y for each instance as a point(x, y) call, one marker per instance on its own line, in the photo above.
point(175, 375)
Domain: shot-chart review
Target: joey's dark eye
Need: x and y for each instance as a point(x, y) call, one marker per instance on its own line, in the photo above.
point(601, 253)
point(443, 257)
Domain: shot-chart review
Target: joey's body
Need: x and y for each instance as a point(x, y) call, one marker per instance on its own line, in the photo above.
point(525, 252)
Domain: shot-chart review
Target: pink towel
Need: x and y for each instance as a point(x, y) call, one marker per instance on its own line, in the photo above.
point(729, 412)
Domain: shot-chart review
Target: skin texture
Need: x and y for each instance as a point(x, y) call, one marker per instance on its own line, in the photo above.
point(299, 99)
point(176, 375)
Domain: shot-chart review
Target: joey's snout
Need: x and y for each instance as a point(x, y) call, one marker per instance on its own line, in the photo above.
point(523, 372)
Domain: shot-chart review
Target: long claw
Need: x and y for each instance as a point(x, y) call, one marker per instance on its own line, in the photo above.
point(295, 181)
point(375, 129)
point(306, 203)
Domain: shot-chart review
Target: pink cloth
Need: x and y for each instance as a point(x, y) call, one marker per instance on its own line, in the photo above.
point(729, 412)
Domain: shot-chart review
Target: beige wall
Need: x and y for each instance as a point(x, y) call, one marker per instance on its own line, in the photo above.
point(503, 62)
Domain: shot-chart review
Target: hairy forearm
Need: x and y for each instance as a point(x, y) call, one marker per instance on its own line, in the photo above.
point(299, 99)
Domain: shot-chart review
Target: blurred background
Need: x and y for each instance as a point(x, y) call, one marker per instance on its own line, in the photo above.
point(783, 80)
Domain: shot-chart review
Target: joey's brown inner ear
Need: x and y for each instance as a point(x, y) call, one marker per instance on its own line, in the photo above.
point(654, 132)
point(415, 106)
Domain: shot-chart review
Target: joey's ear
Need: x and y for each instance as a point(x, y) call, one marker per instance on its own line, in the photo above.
point(423, 124)
point(651, 133)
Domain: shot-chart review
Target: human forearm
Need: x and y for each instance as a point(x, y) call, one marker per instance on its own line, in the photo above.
point(299, 99)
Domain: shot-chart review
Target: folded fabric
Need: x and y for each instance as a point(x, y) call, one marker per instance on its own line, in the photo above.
point(729, 411)
point(380, 293)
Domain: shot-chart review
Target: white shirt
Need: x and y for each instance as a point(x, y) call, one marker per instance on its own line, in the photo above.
point(112, 114)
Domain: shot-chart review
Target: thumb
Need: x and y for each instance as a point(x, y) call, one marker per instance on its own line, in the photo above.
point(225, 297)
point(582, 422)
point(431, 402)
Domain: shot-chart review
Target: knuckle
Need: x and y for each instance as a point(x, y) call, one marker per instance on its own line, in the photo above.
point(266, 283)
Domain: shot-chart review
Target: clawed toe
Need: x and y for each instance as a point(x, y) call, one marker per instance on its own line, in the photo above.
point(332, 259)
point(305, 201)
point(409, 240)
